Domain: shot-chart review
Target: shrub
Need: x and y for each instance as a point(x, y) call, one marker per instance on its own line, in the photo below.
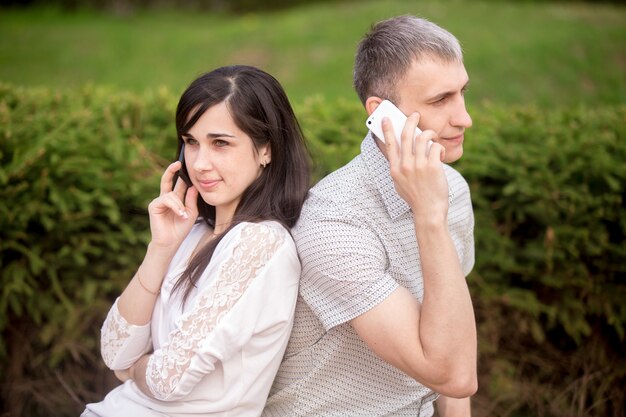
point(548, 190)
point(333, 132)
point(75, 181)
point(79, 168)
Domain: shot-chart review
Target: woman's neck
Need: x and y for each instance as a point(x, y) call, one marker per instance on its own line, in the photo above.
point(222, 222)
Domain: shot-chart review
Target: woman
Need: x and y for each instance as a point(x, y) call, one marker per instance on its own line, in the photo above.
point(203, 325)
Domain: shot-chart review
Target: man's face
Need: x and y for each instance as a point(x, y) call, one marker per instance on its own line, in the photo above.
point(436, 90)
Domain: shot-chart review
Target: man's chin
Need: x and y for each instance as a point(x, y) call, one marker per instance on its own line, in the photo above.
point(453, 155)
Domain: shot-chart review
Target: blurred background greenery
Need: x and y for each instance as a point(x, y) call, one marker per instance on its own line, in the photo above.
point(87, 95)
point(545, 53)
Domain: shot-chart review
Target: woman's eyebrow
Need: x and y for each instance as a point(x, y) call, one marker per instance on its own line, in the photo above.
point(210, 135)
point(219, 135)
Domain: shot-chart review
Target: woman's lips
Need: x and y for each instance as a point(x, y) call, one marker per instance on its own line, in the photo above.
point(208, 184)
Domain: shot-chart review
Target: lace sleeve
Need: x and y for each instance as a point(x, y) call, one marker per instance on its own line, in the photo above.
point(167, 366)
point(122, 343)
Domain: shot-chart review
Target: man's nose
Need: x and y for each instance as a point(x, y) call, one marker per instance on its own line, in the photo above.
point(461, 117)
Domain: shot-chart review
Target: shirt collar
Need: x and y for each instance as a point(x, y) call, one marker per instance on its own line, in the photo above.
point(380, 175)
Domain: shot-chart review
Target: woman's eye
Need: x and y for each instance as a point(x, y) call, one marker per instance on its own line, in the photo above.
point(190, 141)
point(220, 142)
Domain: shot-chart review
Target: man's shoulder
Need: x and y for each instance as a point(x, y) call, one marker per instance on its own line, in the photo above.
point(456, 181)
point(341, 185)
point(337, 199)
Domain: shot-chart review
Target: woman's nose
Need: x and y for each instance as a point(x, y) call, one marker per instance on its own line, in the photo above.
point(202, 160)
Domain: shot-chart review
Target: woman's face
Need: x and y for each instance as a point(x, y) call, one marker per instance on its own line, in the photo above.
point(221, 160)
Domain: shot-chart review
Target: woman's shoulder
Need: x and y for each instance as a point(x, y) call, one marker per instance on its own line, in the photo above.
point(255, 246)
point(264, 233)
point(262, 227)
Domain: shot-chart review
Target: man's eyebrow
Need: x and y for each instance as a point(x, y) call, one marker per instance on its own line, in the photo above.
point(446, 94)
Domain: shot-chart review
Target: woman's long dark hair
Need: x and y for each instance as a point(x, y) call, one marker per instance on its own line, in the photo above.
point(259, 107)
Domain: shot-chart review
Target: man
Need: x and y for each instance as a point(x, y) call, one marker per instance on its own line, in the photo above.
point(384, 323)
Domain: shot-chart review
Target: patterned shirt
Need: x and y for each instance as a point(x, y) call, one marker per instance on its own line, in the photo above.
point(356, 240)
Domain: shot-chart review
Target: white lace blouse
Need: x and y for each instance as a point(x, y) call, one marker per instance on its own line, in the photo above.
point(218, 354)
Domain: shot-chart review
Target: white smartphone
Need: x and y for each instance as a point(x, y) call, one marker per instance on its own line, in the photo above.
point(398, 119)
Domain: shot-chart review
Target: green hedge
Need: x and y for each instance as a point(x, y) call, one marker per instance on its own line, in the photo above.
point(124, 7)
point(75, 182)
point(79, 168)
point(548, 189)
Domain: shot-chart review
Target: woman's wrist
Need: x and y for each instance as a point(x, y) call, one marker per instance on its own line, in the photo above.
point(162, 251)
point(154, 266)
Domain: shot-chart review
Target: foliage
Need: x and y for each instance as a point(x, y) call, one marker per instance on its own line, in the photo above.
point(131, 6)
point(75, 181)
point(78, 169)
point(553, 185)
point(521, 52)
point(549, 190)
point(333, 132)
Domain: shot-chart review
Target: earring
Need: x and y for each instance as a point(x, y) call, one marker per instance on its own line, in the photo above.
point(264, 164)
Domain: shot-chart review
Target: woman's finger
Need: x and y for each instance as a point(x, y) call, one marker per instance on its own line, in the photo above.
point(191, 201)
point(169, 202)
point(168, 177)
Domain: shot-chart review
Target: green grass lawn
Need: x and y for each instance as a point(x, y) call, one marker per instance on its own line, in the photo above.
point(550, 54)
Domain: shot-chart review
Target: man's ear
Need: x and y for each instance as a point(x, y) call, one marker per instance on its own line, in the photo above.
point(371, 103)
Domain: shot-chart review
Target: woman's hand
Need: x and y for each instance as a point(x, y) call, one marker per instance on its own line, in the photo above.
point(173, 212)
point(417, 174)
point(122, 374)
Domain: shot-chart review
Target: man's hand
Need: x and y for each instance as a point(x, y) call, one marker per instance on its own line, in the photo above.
point(418, 178)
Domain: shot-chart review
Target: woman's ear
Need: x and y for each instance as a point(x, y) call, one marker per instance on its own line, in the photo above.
point(265, 155)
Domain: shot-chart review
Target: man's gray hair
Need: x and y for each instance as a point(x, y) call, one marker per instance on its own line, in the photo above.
point(386, 53)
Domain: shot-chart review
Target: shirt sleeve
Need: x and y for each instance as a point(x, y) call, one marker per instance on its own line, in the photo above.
point(344, 267)
point(122, 343)
point(176, 368)
point(468, 254)
point(461, 219)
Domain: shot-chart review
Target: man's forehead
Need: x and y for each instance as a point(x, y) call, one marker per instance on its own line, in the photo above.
point(432, 75)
